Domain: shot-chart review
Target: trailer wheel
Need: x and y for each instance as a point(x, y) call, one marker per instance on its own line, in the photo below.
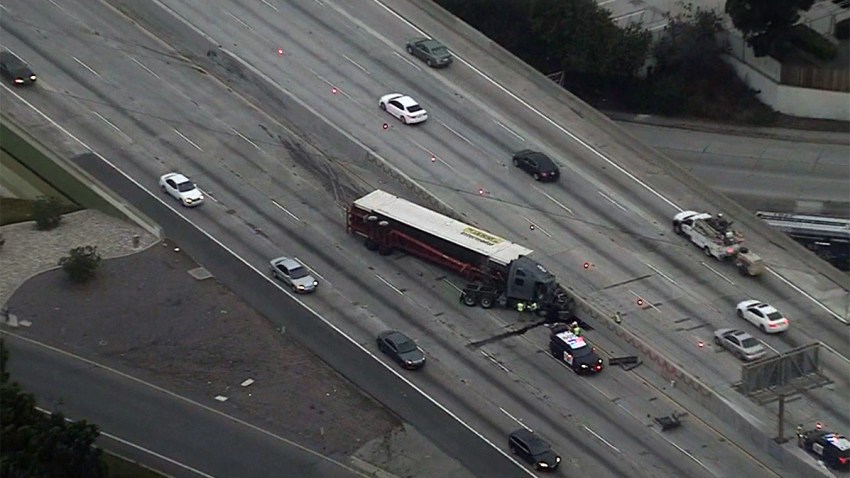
point(371, 244)
point(707, 251)
point(468, 299)
point(486, 301)
point(742, 269)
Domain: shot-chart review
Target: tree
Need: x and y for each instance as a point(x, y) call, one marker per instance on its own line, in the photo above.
point(47, 212)
point(34, 445)
point(766, 24)
point(81, 264)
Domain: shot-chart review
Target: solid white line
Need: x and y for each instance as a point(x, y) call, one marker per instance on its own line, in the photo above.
point(56, 5)
point(286, 210)
point(430, 154)
point(627, 15)
point(536, 227)
point(138, 447)
point(4, 7)
point(355, 63)
point(495, 362)
point(86, 67)
point(688, 454)
point(509, 130)
point(455, 132)
point(145, 67)
point(280, 287)
point(180, 397)
point(187, 139)
point(414, 65)
point(565, 208)
point(270, 5)
point(389, 285)
point(647, 264)
point(338, 89)
point(515, 419)
point(309, 268)
point(612, 201)
point(247, 140)
point(719, 274)
point(602, 439)
point(801, 291)
point(239, 20)
point(112, 125)
point(447, 281)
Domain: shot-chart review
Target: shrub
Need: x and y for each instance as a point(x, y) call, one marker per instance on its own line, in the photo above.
point(47, 212)
point(81, 264)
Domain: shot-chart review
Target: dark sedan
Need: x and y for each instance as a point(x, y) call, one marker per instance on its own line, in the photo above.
point(15, 70)
point(537, 164)
point(401, 349)
point(533, 450)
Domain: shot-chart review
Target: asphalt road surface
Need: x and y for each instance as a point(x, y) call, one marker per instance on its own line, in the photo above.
point(272, 193)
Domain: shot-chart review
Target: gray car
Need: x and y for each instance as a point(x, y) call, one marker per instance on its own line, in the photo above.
point(741, 344)
point(401, 348)
point(293, 274)
point(432, 52)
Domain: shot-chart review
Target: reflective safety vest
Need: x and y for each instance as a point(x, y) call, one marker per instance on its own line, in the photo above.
point(533, 306)
point(520, 306)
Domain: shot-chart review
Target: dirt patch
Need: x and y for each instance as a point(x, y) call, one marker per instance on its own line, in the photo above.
point(146, 315)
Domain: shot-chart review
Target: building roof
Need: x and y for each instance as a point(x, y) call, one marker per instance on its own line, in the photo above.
point(413, 215)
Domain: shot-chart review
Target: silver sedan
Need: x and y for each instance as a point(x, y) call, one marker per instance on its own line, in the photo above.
point(741, 344)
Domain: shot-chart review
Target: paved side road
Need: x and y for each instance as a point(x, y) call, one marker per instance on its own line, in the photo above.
point(146, 315)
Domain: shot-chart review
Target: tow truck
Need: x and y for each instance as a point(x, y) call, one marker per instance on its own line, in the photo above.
point(716, 238)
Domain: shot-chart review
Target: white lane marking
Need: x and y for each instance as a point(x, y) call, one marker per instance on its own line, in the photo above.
point(447, 281)
point(455, 132)
point(247, 27)
point(173, 394)
point(686, 453)
point(358, 65)
point(145, 67)
point(536, 227)
point(805, 294)
point(845, 359)
point(565, 208)
point(138, 447)
point(515, 419)
point(4, 7)
point(430, 154)
point(605, 2)
point(187, 139)
point(541, 115)
point(86, 67)
point(509, 130)
point(335, 88)
point(719, 274)
point(612, 201)
point(112, 126)
point(247, 140)
point(496, 362)
point(399, 292)
point(310, 268)
point(627, 15)
point(657, 271)
point(56, 5)
point(414, 65)
point(602, 439)
point(270, 5)
point(293, 216)
point(319, 2)
point(645, 302)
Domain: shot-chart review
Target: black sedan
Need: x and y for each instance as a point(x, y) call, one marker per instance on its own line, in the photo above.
point(537, 164)
point(15, 70)
point(401, 348)
point(533, 449)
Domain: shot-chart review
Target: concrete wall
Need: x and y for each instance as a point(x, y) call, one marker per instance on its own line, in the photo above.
point(763, 74)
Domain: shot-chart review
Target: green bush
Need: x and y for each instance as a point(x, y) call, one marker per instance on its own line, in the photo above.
point(47, 212)
point(81, 264)
point(813, 43)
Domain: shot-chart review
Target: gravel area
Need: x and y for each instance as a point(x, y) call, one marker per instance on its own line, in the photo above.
point(192, 336)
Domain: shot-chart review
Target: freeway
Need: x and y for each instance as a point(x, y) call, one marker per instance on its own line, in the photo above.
point(270, 190)
point(178, 436)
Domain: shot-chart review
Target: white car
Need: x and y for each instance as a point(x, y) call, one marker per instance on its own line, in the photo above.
point(763, 316)
point(181, 188)
point(403, 107)
point(294, 274)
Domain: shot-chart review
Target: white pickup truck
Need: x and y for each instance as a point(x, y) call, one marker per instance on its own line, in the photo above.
point(717, 239)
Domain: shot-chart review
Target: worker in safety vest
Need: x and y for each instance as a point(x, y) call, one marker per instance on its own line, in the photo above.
point(576, 329)
point(800, 435)
point(520, 307)
point(533, 306)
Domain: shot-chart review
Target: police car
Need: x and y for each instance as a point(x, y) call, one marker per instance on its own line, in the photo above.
point(833, 448)
point(574, 351)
